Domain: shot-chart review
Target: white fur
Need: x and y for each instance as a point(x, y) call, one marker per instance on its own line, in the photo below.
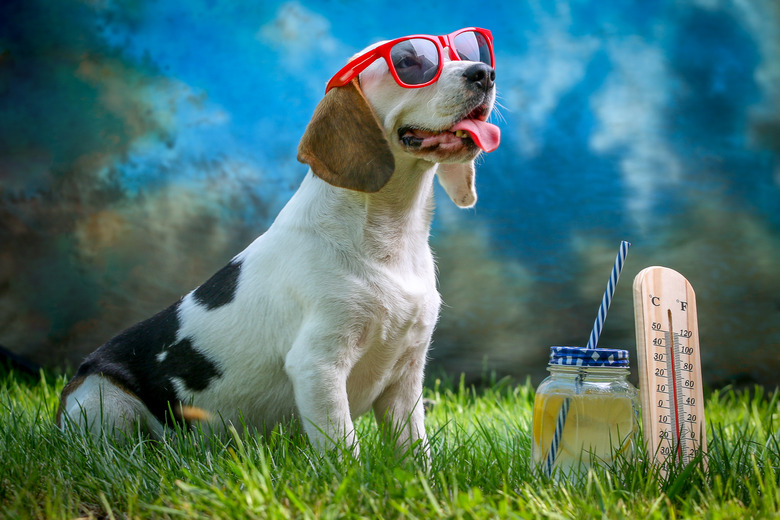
point(102, 407)
point(335, 303)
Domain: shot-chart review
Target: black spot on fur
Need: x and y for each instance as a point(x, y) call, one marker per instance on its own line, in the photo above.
point(193, 368)
point(220, 289)
point(131, 360)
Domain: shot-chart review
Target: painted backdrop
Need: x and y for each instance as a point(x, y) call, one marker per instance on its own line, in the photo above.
point(144, 143)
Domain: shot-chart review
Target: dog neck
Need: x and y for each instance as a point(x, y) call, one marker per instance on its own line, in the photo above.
point(398, 217)
point(408, 194)
point(386, 225)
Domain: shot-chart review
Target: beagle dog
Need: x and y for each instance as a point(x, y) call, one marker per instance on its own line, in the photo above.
point(330, 312)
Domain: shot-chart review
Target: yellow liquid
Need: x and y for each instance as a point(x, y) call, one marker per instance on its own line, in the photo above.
point(597, 427)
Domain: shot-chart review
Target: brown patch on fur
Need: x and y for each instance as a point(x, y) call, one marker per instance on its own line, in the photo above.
point(193, 413)
point(344, 143)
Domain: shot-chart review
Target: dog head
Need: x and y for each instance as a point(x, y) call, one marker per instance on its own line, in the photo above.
point(361, 130)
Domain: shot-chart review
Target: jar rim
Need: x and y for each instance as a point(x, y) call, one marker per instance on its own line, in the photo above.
point(588, 357)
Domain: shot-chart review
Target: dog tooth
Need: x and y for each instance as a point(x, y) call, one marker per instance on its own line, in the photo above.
point(461, 133)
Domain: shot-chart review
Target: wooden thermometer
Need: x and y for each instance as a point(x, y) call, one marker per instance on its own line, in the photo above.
point(670, 384)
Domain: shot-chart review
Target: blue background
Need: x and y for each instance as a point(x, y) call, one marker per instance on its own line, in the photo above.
point(144, 143)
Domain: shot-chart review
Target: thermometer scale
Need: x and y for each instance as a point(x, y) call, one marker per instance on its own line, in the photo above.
point(667, 343)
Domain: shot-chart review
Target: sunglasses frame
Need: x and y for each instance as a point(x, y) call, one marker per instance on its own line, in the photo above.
point(447, 41)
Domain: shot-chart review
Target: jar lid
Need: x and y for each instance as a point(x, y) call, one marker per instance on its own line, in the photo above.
point(588, 357)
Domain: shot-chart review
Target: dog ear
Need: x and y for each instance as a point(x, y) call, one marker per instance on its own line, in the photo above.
point(457, 179)
point(344, 143)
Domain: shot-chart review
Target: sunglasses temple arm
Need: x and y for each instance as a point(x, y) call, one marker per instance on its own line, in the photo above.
point(352, 69)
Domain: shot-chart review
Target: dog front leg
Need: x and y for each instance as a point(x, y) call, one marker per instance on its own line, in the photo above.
point(320, 388)
point(400, 410)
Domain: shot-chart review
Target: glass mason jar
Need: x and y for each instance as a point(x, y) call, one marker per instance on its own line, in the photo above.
point(585, 411)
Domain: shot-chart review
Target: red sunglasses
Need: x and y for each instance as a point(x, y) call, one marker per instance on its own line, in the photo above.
point(416, 61)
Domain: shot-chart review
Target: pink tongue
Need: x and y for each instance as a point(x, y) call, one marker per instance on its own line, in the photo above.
point(485, 135)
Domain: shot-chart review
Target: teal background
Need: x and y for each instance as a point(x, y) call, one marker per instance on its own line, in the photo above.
point(144, 143)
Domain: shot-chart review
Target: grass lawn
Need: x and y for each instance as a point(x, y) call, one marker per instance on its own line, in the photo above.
point(479, 442)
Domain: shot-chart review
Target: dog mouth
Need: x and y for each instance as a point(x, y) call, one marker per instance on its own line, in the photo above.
point(471, 131)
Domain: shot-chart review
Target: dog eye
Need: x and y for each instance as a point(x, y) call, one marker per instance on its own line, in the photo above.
point(407, 61)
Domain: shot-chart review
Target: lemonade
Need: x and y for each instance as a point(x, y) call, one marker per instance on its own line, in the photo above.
point(600, 417)
point(597, 427)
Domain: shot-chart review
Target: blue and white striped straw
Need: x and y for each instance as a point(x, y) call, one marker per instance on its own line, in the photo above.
point(607, 299)
point(592, 342)
point(559, 424)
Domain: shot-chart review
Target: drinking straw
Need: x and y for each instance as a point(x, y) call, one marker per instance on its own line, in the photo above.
point(592, 342)
point(559, 424)
point(607, 299)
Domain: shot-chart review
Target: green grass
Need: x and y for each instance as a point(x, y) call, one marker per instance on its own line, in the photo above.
point(480, 446)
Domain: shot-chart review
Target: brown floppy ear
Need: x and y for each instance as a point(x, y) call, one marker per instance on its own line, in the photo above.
point(344, 143)
point(458, 181)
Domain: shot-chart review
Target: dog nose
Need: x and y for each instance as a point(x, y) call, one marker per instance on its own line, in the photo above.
point(481, 75)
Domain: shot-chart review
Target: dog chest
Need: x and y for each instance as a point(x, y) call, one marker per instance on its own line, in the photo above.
point(393, 341)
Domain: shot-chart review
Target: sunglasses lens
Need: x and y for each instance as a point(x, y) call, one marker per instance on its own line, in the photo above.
point(416, 61)
point(473, 46)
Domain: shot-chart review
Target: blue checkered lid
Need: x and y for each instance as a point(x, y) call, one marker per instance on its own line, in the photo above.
point(588, 357)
